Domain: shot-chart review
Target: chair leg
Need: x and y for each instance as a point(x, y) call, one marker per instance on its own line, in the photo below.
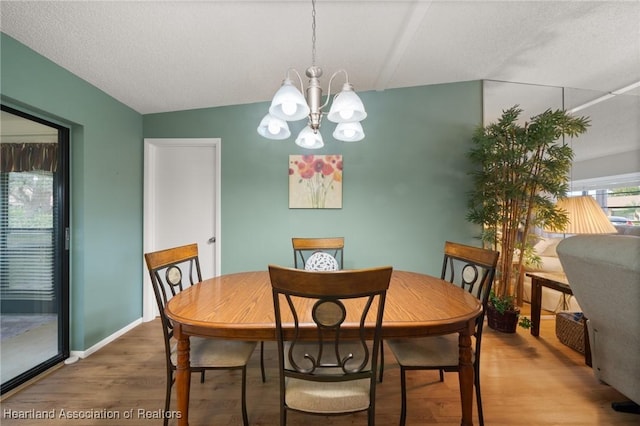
point(403, 396)
point(479, 398)
point(202, 376)
point(167, 397)
point(441, 375)
point(381, 361)
point(245, 418)
point(264, 377)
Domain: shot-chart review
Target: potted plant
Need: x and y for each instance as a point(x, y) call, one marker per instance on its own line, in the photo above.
point(522, 169)
point(503, 314)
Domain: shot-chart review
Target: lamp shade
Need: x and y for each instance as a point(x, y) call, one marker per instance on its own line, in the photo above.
point(307, 138)
point(349, 132)
point(288, 103)
point(273, 128)
point(585, 216)
point(346, 106)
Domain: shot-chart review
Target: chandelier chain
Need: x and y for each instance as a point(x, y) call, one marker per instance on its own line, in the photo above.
point(313, 32)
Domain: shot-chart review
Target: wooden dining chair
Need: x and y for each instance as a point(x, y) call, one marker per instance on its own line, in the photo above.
point(473, 269)
point(315, 254)
point(311, 253)
point(325, 367)
point(171, 271)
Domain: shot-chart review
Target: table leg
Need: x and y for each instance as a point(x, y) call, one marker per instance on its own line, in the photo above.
point(183, 375)
point(465, 374)
point(536, 306)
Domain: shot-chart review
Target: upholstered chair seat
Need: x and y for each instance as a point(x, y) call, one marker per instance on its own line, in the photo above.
point(432, 350)
point(327, 397)
point(222, 353)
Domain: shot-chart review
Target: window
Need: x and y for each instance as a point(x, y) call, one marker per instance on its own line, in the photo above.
point(622, 204)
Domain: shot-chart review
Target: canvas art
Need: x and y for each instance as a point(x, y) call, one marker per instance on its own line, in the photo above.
point(315, 181)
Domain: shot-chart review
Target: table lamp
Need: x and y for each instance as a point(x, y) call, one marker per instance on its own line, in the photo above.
point(585, 216)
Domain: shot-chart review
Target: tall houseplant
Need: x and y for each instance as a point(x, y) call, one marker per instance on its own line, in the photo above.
point(522, 169)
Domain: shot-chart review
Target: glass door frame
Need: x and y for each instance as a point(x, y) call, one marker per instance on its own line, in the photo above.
point(61, 242)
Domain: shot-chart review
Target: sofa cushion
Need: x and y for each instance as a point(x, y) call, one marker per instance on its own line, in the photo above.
point(547, 247)
point(550, 264)
point(552, 300)
point(547, 264)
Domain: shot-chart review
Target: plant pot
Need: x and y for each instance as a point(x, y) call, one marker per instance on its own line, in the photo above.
point(505, 323)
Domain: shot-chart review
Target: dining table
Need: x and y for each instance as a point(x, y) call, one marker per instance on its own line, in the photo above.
point(240, 306)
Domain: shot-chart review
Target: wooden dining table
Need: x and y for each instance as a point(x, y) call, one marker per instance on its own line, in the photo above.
point(240, 306)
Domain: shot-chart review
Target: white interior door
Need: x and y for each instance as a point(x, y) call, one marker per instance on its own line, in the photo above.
point(181, 203)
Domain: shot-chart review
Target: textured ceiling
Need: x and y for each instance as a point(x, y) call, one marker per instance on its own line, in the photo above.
point(158, 56)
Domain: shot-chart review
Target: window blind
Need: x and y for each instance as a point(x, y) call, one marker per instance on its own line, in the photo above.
point(26, 237)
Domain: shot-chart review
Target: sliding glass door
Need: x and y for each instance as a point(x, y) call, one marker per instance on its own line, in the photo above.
point(34, 226)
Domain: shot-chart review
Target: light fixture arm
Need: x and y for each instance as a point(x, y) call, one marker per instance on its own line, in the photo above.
point(334, 75)
point(295, 71)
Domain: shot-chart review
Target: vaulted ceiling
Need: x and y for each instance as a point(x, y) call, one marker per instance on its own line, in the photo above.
point(158, 56)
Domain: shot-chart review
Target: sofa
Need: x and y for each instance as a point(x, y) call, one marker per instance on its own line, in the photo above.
point(552, 300)
point(604, 274)
point(628, 230)
point(545, 248)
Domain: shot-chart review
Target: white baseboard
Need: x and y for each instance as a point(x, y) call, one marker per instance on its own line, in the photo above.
point(104, 342)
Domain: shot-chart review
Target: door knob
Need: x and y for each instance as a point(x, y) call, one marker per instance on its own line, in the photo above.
point(211, 240)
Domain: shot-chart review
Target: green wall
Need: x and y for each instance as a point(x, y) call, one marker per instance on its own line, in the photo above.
point(106, 195)
point(404, 186)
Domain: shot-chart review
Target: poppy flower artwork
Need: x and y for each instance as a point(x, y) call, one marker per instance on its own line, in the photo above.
point(315, 181)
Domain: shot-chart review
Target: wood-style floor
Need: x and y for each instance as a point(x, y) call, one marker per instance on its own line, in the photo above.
point(525, 381)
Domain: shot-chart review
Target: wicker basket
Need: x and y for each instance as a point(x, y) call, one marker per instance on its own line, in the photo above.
point(570, 330)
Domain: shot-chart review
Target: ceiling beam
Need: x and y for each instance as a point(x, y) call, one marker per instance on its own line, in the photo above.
point(413, 23)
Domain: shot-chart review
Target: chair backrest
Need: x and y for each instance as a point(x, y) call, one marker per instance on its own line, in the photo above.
point(171, 270)
point(471, 268)
point(305, 248)
point(315, 306)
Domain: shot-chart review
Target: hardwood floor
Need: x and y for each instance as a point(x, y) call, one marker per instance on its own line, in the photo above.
point(525, 381)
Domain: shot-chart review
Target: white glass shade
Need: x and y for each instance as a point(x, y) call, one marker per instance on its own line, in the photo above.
point(346, 106)
point(288, 103)
point(308, 139)
point(273, 128)
point(349, 132)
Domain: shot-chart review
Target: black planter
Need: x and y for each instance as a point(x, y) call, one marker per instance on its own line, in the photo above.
point(505, 323)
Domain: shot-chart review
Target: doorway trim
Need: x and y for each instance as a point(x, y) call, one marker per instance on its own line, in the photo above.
point(151, 145)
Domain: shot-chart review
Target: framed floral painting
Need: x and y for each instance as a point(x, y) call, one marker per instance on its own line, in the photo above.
point(315, 181)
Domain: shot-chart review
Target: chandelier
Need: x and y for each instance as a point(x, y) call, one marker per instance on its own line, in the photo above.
point(289, 104)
